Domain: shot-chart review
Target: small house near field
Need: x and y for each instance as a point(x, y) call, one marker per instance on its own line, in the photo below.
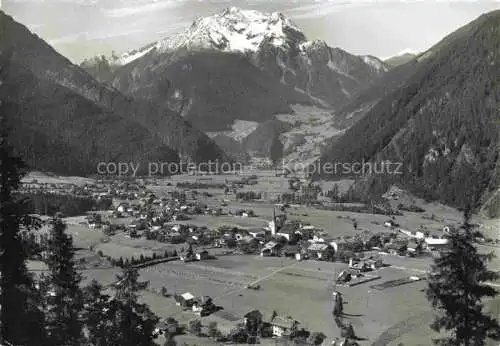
point(436, 243)
point(187, 255)
point(227, 323)
point(184, 300)
point(339, 244)
point(390, 224)
point(94, 222)
point(202, 255)
point(362, 266)
point(290, 250)
point(257, 233)
point(253, 317)
point(317, 250)
point(270, 249)
point(288, 230)
point(282, 326)
point(122, 208)
point(414, 248)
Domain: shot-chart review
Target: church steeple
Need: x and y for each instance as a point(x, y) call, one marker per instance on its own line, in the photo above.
point(272, 224)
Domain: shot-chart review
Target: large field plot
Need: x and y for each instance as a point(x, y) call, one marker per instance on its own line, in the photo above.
point(44, 178)
point(303, 290)
point(300, 289)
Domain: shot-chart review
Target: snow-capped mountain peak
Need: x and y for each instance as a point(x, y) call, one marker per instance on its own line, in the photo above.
point(236, 30)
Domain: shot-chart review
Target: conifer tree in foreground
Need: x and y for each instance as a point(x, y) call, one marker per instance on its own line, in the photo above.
point(21, 321)
point(64, 298)
point(456, 290)
point(98, 317)
point(134, 322)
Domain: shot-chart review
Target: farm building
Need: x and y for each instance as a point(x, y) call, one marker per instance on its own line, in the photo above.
point(226, 322)
point(413, 234)
point(202, 255)
point(253, 317)
point(414, 248)
point(257, 233)
point(436, 243)
point(316, 250)
point(288, 230)
point(290, 250)
point(185, 299)
point(270, 249)
point(282, 325)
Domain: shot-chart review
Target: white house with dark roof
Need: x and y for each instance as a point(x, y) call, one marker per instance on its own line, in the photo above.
point(282, 325)
point(436, 243)
point(317, 249)
point(185, 299)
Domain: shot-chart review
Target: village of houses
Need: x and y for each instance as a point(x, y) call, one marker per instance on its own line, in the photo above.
point(219, 263)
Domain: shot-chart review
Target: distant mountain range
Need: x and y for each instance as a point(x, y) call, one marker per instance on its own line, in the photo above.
point(238, 65)
point(439, 116)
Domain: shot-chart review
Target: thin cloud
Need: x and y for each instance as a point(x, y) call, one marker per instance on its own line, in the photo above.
point(86, 36)
point(174, 28)
point(67, 38)
point(103, 36)
point(72, 2)
point(322, 9)
point(142, 9)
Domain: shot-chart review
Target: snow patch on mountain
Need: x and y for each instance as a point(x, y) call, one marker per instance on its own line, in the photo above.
point(343, 89)
point(128, 57)
point(402, 53)
point(330, 64)
point(374, 62)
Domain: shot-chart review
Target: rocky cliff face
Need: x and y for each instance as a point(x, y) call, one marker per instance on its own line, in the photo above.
point(331, 76)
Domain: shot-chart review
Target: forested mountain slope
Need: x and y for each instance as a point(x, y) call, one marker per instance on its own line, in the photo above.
point(30, 53)
point(442, 124)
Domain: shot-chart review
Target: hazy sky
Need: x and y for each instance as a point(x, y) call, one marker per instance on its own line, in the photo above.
point(83, 28)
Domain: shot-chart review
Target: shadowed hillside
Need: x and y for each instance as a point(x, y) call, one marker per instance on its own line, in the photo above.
point(209, 88)
point(57, 130)
point(441, 124)
point(45, 64)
